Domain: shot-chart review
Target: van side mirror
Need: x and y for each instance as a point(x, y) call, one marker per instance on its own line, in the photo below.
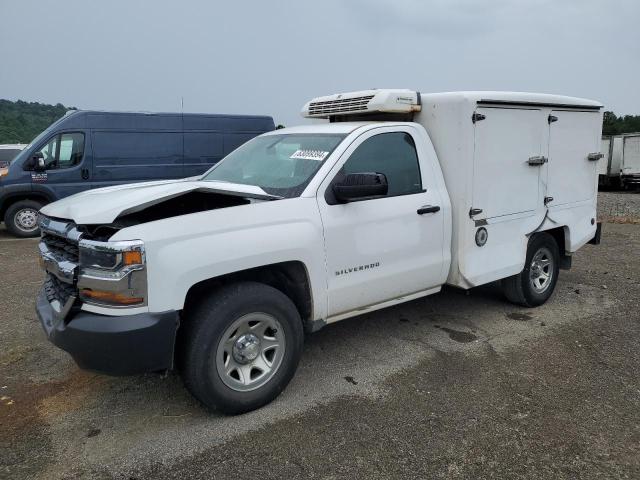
point(36, 162)
point(359, 186)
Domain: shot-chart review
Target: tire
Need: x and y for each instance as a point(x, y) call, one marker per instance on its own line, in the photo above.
point(527, 288)
point(211, 338)
point(21, 218)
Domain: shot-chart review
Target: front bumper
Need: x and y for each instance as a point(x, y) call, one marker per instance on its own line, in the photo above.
point(115, 345)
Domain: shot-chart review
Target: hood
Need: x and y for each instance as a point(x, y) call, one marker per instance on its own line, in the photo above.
point(104, 205)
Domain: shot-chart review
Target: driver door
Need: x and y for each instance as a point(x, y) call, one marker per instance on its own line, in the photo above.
point(66, 169)
point(381, 249)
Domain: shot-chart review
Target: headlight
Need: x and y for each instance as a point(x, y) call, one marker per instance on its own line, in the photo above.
point(112, 273)
point(111, 255)
point(4, 171)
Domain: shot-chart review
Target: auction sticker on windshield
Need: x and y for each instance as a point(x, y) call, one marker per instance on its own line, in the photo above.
point(318, 155)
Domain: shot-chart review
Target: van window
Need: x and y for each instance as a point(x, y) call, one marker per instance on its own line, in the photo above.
point(71, 149)
point(49, 152)
point(63, 151)
point(393, 154)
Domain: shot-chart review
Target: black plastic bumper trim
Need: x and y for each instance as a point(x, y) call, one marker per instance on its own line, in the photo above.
point(114, 345)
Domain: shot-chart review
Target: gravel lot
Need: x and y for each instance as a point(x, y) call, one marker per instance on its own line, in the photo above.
point(450, 386)
point(619, 207)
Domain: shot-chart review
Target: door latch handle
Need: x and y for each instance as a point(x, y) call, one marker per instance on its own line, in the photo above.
point(537, 160)
point(428, 209)
point(548, 200)
point(592, 157)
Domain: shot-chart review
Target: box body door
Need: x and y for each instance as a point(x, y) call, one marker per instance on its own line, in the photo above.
point(571, 176)
point(504, 183)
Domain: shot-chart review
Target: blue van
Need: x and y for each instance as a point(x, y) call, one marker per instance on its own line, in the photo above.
point(86, 149)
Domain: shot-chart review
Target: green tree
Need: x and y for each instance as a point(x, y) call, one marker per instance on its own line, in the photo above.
point(21, 122)
point(614, 125)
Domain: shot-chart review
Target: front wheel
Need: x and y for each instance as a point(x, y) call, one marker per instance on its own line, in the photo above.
point(242, 347)
point(21, 218)
point(537, 281)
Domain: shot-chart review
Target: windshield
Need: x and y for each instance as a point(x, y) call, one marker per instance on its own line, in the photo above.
point(281, 165)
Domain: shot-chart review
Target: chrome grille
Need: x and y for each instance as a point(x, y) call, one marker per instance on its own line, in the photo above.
point(57, 290)
point(62, 248)
point(59, 256)
point(341, 105)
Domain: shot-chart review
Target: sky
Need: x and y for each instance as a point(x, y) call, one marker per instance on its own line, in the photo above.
point(259, 57)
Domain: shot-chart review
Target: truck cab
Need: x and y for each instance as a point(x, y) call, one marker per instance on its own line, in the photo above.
point(397, 194)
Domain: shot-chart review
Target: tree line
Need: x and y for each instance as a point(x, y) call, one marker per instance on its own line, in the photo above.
point(21, 122)
point(614, 125)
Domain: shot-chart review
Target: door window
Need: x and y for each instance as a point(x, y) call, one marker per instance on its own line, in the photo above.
point(63, 151)
point(393, 154)
point(71, 149)
point(49, 152)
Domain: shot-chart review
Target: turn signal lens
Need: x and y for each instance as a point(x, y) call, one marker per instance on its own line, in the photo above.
point(132, 258)
point(110, 298)
point(4, 172)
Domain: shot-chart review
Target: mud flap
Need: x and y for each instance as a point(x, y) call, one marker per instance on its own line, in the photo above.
point(596, 238)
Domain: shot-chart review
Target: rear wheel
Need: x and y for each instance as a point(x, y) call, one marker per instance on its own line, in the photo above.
point(242, 347)
point(535, 284)
point(21, 218)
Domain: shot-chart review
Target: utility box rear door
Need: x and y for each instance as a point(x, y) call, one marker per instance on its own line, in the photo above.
point(631, 155)
point(573, 136)
point(504, 183)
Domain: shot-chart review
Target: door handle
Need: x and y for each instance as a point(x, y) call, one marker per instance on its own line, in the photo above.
point(537, 160)
point(428, 209)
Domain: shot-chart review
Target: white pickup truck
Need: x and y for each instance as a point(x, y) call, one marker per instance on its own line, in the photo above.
point(396, 195)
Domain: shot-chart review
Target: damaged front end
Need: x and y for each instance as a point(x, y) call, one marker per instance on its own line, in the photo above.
point(111, 277)
point(94, 301)
point(82, 263)
point(106, 274)
point(184, 204)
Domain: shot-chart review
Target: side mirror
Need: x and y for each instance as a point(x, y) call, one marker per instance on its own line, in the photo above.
point(37, 161)
point(358, 186)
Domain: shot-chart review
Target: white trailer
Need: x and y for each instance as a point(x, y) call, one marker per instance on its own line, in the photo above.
point(620, 165)
point(630, 169)
point(603, 163)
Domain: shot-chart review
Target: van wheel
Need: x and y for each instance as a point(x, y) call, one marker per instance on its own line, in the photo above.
point(242, 347)
point(535, 284)
point(21, 218)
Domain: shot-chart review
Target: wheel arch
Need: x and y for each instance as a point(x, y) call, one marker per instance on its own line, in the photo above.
point(291, 278)
point(561, 236)
point(16, 197)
